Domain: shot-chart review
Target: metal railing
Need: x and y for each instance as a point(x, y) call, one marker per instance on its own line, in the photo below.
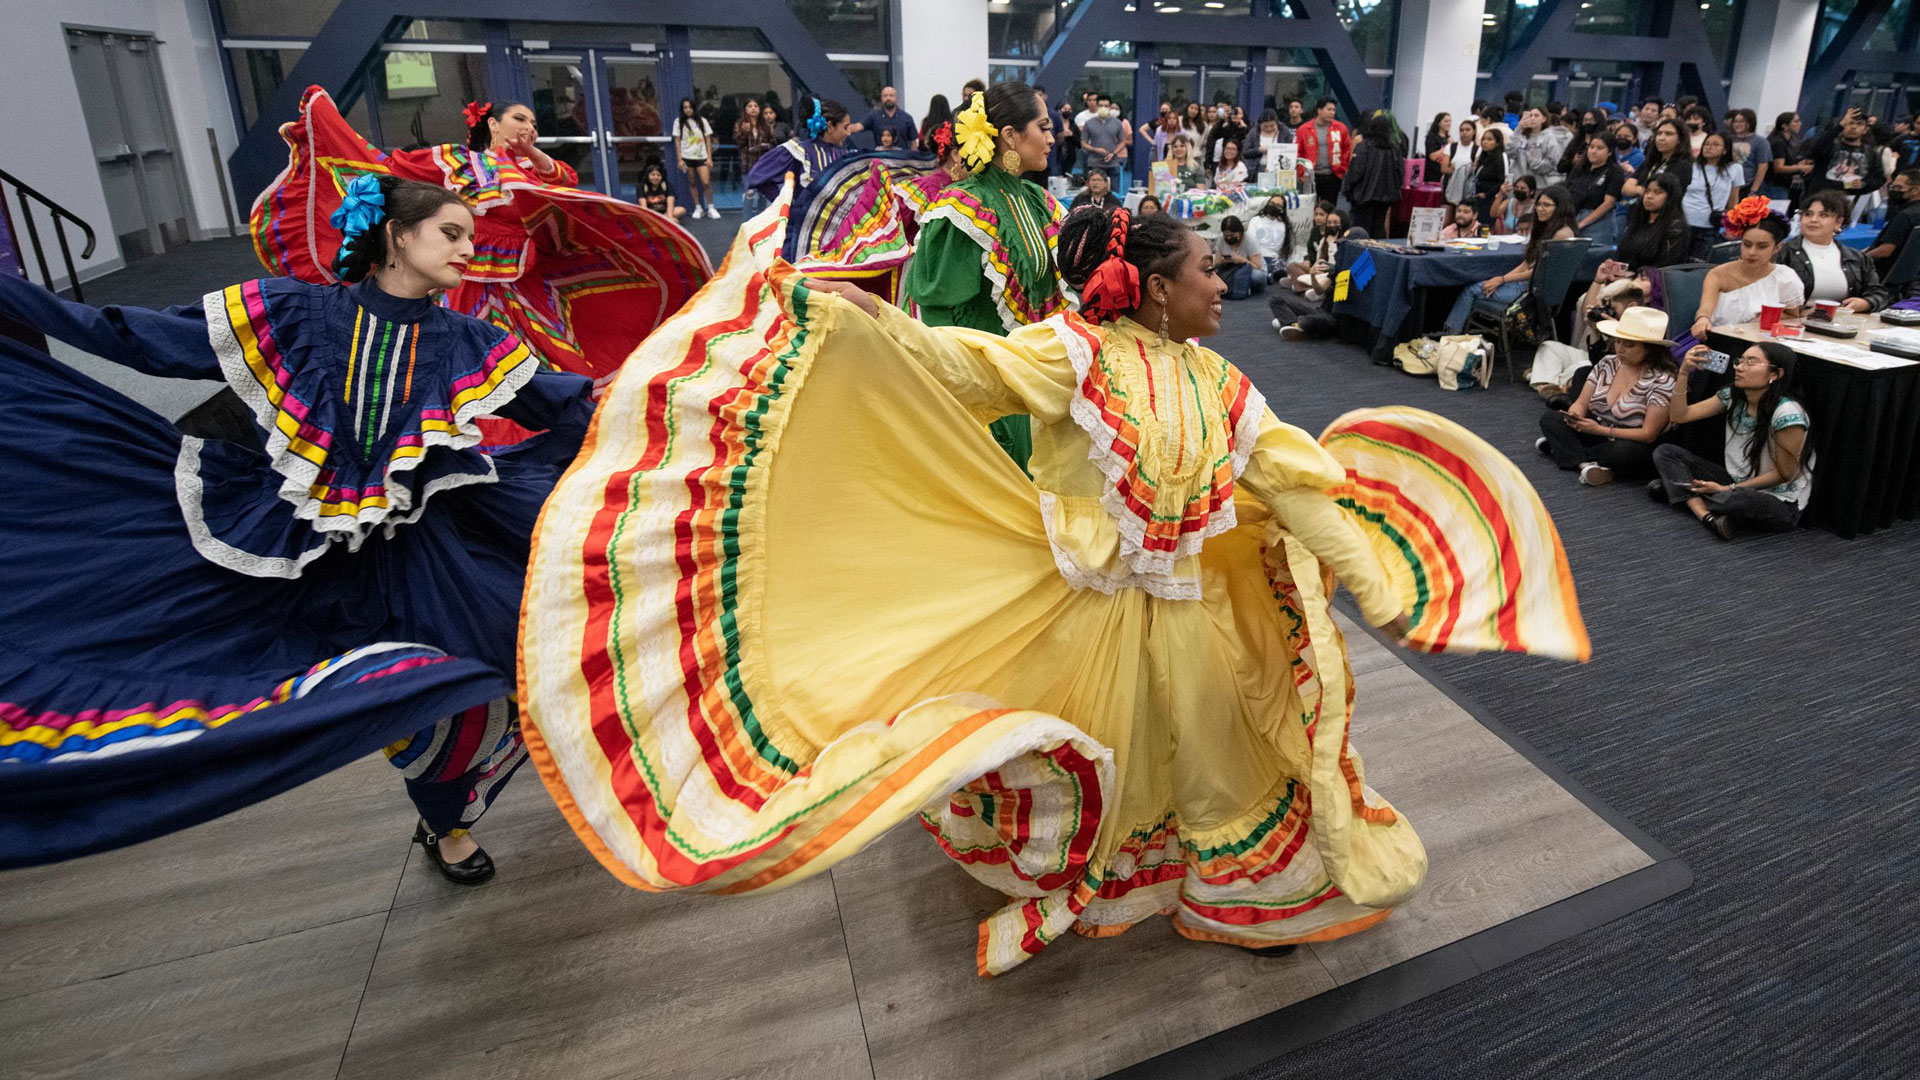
point(60, 215)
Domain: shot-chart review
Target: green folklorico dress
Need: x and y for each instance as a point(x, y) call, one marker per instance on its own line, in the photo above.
point(984, 260)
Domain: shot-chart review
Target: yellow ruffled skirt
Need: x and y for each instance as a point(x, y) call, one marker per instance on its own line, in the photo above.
point(791, 594)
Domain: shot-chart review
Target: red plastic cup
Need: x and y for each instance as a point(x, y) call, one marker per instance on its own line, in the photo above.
point(1769, 316)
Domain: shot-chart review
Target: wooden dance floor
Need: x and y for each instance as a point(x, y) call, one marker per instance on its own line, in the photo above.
point(305, 938)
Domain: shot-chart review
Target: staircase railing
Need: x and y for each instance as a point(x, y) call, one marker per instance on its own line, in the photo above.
point(60, 215)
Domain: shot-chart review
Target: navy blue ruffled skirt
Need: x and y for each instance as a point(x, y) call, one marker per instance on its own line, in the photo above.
point(144, 689)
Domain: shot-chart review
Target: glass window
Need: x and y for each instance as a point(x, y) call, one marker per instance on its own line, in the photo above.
point(585, 33)
point(1370, 22)
point(1611, 16)
point(1116, 83)
point(1887, 35)
point(1293, 75)
point(1502, 23)
point(419, 95)
point(447, 30)
point(1210, 55)
point(259, 72)
point(1204, 7)
point(998, 73)
point(1020, 28)
point(1833, 15)
point(867, 79)
point(274, 18)
point(845, 26)
point(732, 39)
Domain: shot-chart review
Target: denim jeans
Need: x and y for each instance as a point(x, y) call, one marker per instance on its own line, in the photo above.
point(1506, 293)
point(1241, 282)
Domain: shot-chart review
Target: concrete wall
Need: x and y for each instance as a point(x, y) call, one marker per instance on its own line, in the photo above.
point(46, 132)
point(1434, 67)
point(1771, 61)
point(940, 44)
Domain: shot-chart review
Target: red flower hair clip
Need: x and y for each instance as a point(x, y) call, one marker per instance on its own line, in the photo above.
point(476, 112)
point(942, 138)
point(1747, 213)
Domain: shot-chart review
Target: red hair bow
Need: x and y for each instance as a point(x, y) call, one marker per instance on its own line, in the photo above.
point(1114, 287)
point(476, 112)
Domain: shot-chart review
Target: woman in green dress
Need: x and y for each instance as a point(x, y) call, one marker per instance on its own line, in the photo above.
point(984, 255)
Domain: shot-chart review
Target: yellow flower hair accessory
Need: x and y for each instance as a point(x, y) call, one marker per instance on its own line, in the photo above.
point(975, 135)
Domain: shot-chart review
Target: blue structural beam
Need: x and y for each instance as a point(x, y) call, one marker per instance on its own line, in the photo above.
point(1823, 90)
point(1679, 41)
point(337, 58)
point(1317, 28)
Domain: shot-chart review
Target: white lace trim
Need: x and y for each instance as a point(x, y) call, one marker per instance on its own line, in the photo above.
point(1165, 586)
point(188, 488)
point(299, 473)
point(1008, 319)
point(1100, 451)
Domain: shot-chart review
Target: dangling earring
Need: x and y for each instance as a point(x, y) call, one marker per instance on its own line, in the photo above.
point(1010, 161)
point(1163, 323)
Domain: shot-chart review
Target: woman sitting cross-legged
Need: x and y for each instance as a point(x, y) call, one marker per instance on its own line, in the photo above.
point(1622, 409)
point(1552, 220)
point(1764, 481)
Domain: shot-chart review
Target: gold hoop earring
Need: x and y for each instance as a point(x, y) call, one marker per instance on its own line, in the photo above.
point(1010, 161)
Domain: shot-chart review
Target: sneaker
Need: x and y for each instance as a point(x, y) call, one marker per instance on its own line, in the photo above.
point(1719, 525)
point(1276, 324)
point(1293, 332)
point(1594, 474)
point(1541, 445)
point(712, 213)
point(1312, 296)
point(1657, 490)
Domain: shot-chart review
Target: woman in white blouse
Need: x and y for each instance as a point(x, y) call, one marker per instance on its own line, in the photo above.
point(1456, 162)
point(1231, 169)
point(1734, 292)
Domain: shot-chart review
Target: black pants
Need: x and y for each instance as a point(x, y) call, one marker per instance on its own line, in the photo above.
point(1572, 449)
point(1679, 467)
point(1315, 319)
point(1373, 217)
point(1326, 186)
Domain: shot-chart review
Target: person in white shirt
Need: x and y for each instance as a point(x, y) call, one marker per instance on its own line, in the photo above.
point(1735, 292)
point(1272, 237)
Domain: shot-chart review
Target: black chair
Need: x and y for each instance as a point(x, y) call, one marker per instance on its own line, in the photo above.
point(1552, 280)
point(1906, 265)
point(1680, 287)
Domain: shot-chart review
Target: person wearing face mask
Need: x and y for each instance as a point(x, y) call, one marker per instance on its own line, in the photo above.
point(1626, 147)
point(1903, 214)
point(1104, 137)
point(1699, 123)
point(342, 574)
point(1327, 147)
point(1828, 269)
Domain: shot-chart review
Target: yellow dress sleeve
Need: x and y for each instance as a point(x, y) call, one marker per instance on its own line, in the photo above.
point(1291, 474)
point(1025, 372)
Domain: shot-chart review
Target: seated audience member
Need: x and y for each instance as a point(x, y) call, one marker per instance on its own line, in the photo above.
point(1626, 146)
point(1657, 236)
point(1903, 213)
point(654, 193)
point(1098, 193)
point(1465, 223)
point(1828, 269)
point(1272, 237)
point(1666, 155)
point(1513, 207)
point(1595, 181)
point(1766, 475)
point(1187, 173)
point(1552, 220)
point(1149, 205)
point(1303, 308)
point(1230, 170)
point(1317, 242)
point(1611, 427)
point(1234, 258)
point(1734, 292)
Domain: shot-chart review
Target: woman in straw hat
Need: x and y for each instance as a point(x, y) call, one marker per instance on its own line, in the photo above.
point(1611, 427)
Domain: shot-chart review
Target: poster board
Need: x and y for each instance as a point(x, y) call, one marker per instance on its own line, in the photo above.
point(1426, 223)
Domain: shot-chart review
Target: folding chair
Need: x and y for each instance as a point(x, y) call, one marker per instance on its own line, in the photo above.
point(1551, 281)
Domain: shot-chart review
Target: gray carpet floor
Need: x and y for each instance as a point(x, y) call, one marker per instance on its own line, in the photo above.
point(1750, 705)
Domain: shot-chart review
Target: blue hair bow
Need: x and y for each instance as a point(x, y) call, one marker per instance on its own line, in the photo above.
point(817, 123)
point(363, 206)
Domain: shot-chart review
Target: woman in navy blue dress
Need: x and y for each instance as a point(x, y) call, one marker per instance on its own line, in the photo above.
point(191, 625)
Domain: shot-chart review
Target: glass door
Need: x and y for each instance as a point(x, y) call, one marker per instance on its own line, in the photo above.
point(635, 133)
point(568, 111)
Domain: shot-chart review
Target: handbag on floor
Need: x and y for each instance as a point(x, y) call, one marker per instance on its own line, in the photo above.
point(1463, 362)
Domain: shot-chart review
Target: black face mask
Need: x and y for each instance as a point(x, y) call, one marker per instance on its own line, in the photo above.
point(1898, 198)
point(1623, 144)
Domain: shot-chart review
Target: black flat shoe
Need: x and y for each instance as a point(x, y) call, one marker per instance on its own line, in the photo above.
point(475, 869)
point(1269, 950)
point(1718, 525)
point(1657, 490)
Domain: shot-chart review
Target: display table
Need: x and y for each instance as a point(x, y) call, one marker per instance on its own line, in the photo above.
point(1388, 310)
point(1866, 427)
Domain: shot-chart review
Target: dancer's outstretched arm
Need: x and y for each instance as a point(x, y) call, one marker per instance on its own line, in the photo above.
point(171, 344)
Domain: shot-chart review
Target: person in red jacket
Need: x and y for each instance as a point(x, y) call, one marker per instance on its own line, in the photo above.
point(1327, 146)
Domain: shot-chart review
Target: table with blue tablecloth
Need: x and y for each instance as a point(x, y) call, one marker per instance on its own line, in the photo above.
point(1390, 305)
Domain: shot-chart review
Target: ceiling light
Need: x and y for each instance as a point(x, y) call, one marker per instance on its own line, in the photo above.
point(1215, 4)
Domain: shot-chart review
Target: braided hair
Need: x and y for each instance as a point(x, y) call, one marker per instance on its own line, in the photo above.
point(407, 204)
point(1105, 255)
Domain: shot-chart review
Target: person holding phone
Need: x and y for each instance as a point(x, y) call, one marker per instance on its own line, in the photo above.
point(1765, 476)
point(1611, 427)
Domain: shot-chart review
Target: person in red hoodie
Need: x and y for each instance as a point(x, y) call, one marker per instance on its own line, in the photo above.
point(1327, 145)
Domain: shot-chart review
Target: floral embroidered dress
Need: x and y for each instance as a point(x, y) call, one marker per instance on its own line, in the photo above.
point(195, 624)
point(580, 277)
point(1112, 691)
point(984, 259)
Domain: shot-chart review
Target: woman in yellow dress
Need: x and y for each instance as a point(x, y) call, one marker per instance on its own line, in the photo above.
point(792, 594)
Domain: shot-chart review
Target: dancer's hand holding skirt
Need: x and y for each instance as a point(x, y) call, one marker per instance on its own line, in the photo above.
point(791, 594)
